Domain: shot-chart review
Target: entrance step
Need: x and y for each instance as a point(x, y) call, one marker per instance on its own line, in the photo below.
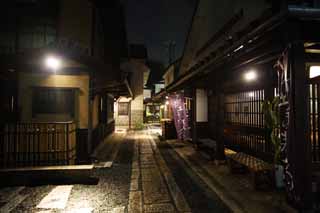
point(47, 175)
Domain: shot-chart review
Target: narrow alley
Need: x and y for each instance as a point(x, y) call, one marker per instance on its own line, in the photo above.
point(136, 172)
point(139, 180)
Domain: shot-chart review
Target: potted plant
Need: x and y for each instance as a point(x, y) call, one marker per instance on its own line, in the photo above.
point(272, 122)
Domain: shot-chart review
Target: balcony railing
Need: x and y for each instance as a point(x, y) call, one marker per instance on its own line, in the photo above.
point(37, 144)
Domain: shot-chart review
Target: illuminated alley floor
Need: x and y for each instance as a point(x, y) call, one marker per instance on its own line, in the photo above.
point(146, 176)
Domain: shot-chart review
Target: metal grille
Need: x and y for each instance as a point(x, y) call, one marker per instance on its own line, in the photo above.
point(37, 144)
point(314, 92)
point(244, 121)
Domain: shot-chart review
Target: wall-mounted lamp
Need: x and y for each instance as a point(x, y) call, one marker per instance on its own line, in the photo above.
point(167, 102)
point(53, 63)
point(251, 75)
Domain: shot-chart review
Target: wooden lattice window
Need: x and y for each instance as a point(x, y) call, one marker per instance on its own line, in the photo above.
point(123, 108)
point(245, 109)
point(244, 124)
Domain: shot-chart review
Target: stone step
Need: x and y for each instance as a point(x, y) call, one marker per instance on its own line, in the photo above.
point(41, 175)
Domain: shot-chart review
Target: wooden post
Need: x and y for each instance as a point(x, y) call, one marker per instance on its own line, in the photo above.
point(299, 149)
point(90, 120)
point(268, 95)
point(194, 118)
point(220, 124)
point(129, 111)
point(67, 145)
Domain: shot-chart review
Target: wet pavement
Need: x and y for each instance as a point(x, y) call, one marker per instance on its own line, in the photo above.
point(146, 176)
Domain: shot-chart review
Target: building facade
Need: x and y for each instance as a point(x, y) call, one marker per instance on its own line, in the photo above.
point(249, 53)
point(64, 63)
point(129, 109)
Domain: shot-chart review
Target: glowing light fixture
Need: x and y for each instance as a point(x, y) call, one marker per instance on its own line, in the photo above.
point(239, 48)
point(250, 75)
point(314, 71)
point(251, 94)
point(53, 63)
point(167, 102)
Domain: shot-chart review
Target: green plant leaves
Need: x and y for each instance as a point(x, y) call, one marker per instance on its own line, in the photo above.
point(272, 122)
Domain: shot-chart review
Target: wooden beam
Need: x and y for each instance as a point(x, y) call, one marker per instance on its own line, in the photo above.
point(194, 117)
point(220, 125)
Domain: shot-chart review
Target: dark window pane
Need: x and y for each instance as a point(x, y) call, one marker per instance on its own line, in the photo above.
point(123, 108)
point(53, 100)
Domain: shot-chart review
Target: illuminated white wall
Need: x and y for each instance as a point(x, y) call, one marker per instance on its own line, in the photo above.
point(202, 105)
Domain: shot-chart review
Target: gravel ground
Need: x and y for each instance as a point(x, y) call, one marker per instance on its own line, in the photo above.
point(112, 190)
point(111, 193)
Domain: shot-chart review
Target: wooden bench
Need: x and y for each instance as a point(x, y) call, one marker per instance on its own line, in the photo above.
point(260, 171)
point(210, 144)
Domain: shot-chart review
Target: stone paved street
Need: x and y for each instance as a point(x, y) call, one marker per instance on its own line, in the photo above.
point(145, 176)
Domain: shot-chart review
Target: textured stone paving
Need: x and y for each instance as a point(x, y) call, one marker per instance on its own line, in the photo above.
point(149, 189)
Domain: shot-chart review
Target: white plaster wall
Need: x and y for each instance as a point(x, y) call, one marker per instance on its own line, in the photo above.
point(202, 105)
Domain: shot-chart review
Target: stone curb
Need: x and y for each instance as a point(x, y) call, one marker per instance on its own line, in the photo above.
point(47, 175)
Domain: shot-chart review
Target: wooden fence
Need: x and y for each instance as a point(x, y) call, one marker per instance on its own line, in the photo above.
point(37, 144)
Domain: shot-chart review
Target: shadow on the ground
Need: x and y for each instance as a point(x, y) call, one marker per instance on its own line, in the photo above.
point(38, 181)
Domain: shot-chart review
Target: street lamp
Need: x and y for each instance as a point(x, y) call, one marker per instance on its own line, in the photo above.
point(251, 75)
point(53, 63)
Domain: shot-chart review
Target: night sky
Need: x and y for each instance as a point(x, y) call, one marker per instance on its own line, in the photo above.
point(155, 22)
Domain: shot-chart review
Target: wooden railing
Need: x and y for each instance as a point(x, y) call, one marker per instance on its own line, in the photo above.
point(37, 144)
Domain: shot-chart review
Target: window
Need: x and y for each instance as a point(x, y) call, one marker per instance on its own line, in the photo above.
point(123, 108)
point(27, 25)
point(53, 101)
point(244, 108)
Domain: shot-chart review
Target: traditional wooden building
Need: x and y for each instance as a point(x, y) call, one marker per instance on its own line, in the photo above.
point(240, 54)
point(129, 107)
point(61, 71)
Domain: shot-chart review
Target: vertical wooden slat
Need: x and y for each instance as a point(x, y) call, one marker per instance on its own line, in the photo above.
point(318, 122)
point(48, 142)
point(313, 120)
point(68, 148)
point(29, 145)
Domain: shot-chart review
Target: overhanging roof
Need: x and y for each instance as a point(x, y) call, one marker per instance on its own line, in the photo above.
point(225, 51)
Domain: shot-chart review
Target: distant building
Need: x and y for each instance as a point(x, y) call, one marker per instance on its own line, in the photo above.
point(147, 93)
point(158, 87)
point(129, 109)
